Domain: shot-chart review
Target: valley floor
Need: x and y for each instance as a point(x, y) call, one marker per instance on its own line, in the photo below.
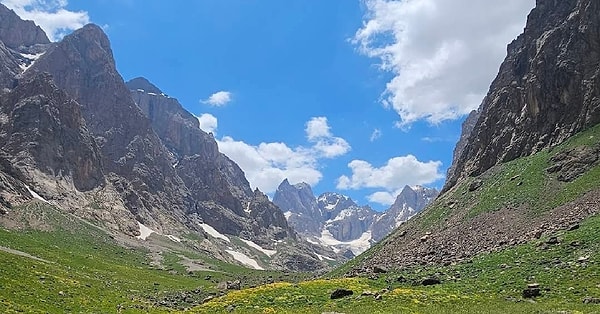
point(58, 271)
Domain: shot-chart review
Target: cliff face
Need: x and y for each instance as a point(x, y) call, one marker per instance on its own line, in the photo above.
point(43, 129)
point(547, 88)
point(15, 32)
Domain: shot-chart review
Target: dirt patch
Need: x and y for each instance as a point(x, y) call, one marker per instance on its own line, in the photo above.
point(21, 253)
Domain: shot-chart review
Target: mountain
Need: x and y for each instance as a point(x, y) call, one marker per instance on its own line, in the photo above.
point(546, 90)
point(126, 157)
point(525, 171)
point(336, 221)
point(408, 203)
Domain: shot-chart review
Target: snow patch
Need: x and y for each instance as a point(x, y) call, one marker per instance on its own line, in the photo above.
point(357, 246)
point(173, 238)
point(144, 231)
point(244, 259)
point(153, 94)
point(251, 244)
point(35, 195)
point(322, 257)
point(287, 215)
point(33, 58)
point(214, 233)
point(247, 210)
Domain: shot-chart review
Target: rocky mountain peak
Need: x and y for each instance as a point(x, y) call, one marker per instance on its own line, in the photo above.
point(15, 32)
point(141, 83)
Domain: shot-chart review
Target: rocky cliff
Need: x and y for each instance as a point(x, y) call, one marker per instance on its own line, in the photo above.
point(547, 89)
point(15, 32)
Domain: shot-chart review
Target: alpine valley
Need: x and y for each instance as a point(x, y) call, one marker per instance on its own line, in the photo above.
point(113, 200)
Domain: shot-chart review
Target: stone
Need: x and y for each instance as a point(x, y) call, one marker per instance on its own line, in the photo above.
point(340, 293)
point(591, 300)
point(553, 241)
point(475, 185)
point(379, 270)
point(430, 281)
point(531, 291)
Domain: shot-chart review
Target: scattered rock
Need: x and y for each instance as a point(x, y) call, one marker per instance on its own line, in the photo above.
point(379, 270)
point(532, 291)
point(340, 293)
point(231, 308)
point(424, 238)
point(573, 227)
point(553, 240)
point(515, 177)
point(591, 300)
point(582, 259)
point(430, 281)
point(378, 297)
point(234, 285)
point(475, 185)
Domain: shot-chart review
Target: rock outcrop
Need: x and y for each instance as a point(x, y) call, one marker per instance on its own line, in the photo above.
point(547, 88)
point(15, 32)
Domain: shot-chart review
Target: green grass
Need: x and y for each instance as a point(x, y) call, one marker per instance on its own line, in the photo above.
point(490, 283)
point(86, 270)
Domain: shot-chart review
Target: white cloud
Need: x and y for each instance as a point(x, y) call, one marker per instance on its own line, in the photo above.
point(392, 177)
point(375, 135)
point(208, 122)
point(318, 132)
point(267, 164)
point(383, 198)
point(218, 99)
point(444, 54)
point(317, 127)
point(50, 15)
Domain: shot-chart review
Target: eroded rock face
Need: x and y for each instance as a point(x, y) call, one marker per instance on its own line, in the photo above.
point(15, 32)
point(44, 130)
point(82, 64)
point(547, 89)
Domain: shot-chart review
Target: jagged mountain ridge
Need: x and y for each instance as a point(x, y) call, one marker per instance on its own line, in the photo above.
point(100, 154)
point(335, 220)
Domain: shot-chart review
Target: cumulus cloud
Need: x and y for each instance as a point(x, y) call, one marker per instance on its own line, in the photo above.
point(208, 123)
point(375, 135)
point(51, 15)
point(318, 132)
point(267, 164)
point(443, 54)
point(218, 99)
point(392, 177)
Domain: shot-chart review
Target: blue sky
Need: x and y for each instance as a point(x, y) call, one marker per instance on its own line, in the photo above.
point(358, 97)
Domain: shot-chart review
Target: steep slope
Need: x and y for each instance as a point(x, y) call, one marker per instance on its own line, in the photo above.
point(218, 186)
point(547, 88)
point(519, 175)
point(15, 32)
